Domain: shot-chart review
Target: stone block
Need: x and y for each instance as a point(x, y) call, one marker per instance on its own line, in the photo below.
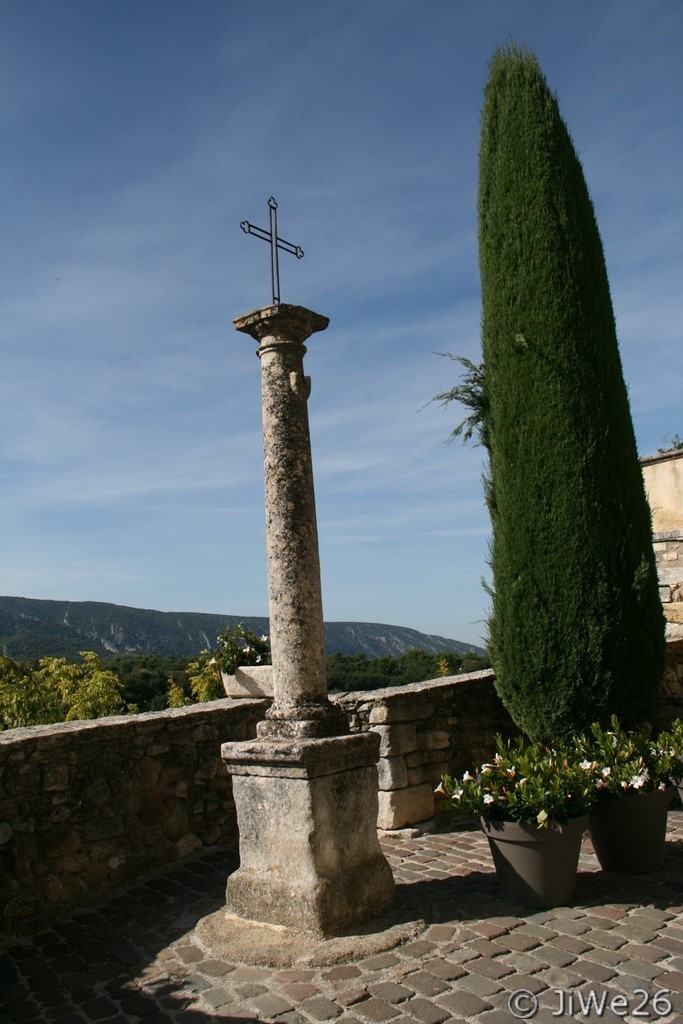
point(307, 814)
point(56, 777)
point(401, 807)
point(434, 756)
point(392, 773)
point(433, 739)
point(669, 575)
point(416, 758)
point(74, 863)
point(437, 770)
point(188, 844)
point(416, 776)
point(98, 792)
point(145, 772)
point(396, 739)
point(404, 711)
point(208, 769)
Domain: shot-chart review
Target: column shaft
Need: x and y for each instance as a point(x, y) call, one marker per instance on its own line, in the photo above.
point(300, 704)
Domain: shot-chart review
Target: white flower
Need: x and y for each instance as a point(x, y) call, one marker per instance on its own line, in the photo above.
point(457, 792)
point(488, 799)
point(606, 772)
point(638, 781)
point(486, 768)
point(467, 777)
point(497, 759)
point(264, 639)
point(585, 764)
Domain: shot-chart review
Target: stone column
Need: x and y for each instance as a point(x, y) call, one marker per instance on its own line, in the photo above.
point(305, 791)
point(300, 704)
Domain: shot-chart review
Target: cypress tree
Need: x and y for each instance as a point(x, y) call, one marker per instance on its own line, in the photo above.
point(576, 628)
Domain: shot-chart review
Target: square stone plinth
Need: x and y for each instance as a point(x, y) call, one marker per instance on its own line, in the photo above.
point(307, 816)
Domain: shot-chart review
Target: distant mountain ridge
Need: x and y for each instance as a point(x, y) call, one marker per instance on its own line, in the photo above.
point(31, 628)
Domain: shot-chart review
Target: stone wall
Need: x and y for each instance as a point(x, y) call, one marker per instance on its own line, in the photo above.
point(668, 548)
point(85, 806)
point(426, 730)
point(670, 705)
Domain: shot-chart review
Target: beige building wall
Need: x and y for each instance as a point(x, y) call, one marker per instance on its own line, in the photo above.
point(663, 475)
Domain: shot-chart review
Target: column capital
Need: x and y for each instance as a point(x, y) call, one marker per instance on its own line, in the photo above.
point(283, 322)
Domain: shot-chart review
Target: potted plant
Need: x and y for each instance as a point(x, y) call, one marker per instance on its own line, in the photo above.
point(532, 802)
point(672, 741)
point(238, 649)
point(631, 775)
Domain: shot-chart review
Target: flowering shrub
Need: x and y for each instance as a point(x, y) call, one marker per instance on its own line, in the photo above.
point(672, 741)
point(526, 783)
point(623, 762)
point(240, 646)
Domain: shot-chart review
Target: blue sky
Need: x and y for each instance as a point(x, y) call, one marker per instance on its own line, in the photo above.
point(137, 134)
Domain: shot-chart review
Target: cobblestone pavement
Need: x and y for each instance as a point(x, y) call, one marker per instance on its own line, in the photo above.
point(134, 957)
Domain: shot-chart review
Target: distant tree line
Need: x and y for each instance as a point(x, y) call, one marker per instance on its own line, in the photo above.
point(57, 690)
point(349, 672)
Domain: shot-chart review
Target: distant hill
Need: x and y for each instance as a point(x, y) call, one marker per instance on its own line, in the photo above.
point(31, 629)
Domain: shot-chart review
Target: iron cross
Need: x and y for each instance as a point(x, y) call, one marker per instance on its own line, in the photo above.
point(275, 243)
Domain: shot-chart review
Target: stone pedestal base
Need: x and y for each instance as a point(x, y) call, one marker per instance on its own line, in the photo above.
point(307, 816)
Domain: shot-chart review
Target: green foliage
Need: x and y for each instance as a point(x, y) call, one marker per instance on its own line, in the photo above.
point(470, 393)
point(672, 741)
point(576, 628)
point(349, 672)
point(676, 445)
point(56, 690)
point(145, 678)
point(178, 695)
point(527, 783)
point(535, 784)
point(241, 646)
point(204, 677)
point(629, 762)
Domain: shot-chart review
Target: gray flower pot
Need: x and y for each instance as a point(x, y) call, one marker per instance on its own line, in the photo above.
point(629, 832)
point(536, 867)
